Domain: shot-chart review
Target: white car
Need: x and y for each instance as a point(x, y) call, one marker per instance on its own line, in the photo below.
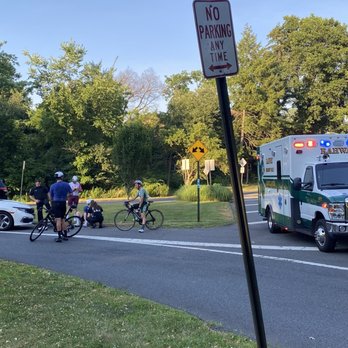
point(14, 213)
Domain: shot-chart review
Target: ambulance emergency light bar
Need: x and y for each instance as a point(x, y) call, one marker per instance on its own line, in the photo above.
point(313, 143)
point(302, 144)
point(322, 143)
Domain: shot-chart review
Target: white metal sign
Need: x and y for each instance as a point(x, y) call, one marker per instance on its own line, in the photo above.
point(242, 162)
point(185, 164)
point(215, 37)
point(209, 165)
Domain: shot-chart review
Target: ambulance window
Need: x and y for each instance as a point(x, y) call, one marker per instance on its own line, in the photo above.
point(279, 170)
point(308, 179)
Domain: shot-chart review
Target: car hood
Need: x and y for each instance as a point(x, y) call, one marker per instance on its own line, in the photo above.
point(336, 195)
point(6, 203)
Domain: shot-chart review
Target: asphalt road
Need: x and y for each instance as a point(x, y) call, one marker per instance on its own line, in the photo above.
point(303, 291)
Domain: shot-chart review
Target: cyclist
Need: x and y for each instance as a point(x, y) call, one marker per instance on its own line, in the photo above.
point(143, 202)
point(59, 192)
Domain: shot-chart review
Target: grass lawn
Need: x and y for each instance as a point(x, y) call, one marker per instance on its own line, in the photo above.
point(39, 308)
point(180, 214)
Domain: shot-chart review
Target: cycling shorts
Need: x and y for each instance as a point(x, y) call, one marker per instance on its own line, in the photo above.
point(59, 209)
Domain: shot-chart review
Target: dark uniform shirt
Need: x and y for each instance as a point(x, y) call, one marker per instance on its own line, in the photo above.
point(39, 192)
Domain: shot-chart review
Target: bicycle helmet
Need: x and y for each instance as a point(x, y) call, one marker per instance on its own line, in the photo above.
point(58, 175)
point(138, 182)
point(88, 201)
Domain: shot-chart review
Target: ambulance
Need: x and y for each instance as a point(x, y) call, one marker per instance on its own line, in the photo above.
point(303, 186)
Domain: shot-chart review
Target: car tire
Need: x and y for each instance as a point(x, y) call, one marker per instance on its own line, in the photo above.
point(322, 238)
point(272, 226)
point(6, 221)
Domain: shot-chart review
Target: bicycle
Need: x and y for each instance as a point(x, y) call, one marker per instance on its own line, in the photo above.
point(73, 223)
point(125, 219)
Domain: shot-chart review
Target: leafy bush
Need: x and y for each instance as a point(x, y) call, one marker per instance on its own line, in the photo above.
point(214, 192)
point(154, 190)
point(98, 192)
point(157, 189)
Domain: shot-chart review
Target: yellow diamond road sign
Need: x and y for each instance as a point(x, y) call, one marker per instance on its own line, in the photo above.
point(198, 150)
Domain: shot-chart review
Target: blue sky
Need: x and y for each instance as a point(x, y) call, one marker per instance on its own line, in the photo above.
point(137, 34)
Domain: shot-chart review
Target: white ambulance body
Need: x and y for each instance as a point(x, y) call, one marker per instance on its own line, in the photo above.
point(303, 186)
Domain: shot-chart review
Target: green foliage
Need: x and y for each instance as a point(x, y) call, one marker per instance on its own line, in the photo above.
point(98, 192)
point(193, 114)
point(296, 84)
point(311, 57)
point(82, 106)
point(13, 114)
point(157, 189)
point(132, 150)
point(214, 192)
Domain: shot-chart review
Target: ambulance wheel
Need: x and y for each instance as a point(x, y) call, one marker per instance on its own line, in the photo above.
point(322, 238)
point(272, 226)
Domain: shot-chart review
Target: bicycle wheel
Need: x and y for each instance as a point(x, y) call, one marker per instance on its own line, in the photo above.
point(154, 219)
point(124, 220)
point(73, 225)
point(38, 229)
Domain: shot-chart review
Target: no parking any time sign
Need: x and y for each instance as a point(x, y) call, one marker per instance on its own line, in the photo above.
point(215, 37)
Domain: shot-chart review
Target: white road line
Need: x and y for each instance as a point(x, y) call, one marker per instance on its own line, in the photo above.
point(252, 211)
point(195, 246)
point(257, 222)
point(315, 264)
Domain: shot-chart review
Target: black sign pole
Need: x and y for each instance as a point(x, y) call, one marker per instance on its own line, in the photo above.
point(241, 215)
point(198, 193)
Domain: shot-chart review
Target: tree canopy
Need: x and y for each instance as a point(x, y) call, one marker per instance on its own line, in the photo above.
point(103, 125)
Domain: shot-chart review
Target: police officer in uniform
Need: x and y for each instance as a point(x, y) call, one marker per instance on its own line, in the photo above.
point(39, 194)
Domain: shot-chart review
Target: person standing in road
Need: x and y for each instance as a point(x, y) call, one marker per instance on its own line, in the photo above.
point(143, 202)
point(60, 191)
point(76, 188)
point(39, 194)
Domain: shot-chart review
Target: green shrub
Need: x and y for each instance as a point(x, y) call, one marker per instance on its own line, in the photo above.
point(215, 192)
point(154, 190)
point(98, 192)
point(157, 189)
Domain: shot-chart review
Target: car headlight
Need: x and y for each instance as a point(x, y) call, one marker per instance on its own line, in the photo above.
point(24, 210)
point(336, 211)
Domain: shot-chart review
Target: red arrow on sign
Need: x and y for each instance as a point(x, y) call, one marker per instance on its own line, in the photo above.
point(216, 67)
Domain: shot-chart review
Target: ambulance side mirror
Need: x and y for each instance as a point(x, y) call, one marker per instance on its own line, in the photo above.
point(297, 184)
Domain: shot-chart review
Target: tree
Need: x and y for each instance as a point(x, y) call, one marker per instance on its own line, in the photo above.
point(312, 55)
point(255, 93)
point(13, 113)
point(131, 153)
point(82, 107)
point(193, 114)
point(143, 91)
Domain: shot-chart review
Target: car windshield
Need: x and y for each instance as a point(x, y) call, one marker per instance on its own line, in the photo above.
point(331, 176)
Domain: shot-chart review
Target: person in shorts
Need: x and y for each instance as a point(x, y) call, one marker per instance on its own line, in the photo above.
point(76, 188)
point(59, 193)
point(143, 202)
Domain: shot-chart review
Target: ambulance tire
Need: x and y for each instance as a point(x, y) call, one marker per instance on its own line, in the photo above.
point(272, 226)
point(322, 238)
